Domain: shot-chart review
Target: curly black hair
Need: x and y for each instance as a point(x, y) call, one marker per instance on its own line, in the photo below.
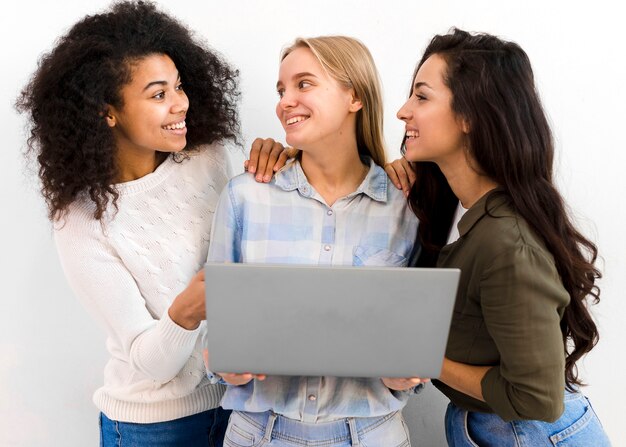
point(67, 95)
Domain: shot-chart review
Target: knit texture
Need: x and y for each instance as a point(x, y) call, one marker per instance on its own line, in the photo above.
point(128, 268)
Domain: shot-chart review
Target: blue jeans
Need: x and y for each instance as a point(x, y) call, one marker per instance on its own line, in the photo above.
point(272, 430)
point(578, 426)
point(202, 429)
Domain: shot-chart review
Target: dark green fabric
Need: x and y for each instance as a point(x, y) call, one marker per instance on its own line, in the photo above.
point(507, 314)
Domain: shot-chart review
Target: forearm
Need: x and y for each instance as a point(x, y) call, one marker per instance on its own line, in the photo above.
point(464, 378)
point(157, 348)
point(180, 315)
point(162, 351)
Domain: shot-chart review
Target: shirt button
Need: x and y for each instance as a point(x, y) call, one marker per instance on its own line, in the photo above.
point(329, 212)
point(312, 397)
point(327, 247)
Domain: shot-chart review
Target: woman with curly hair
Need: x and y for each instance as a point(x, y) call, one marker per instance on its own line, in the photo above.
point(129, 114)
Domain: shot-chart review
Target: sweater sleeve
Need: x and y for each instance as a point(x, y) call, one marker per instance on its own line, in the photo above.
point(220, 160)
point(521, 299)
point(154, 347)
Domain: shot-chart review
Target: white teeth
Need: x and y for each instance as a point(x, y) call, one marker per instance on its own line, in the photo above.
point(180, 125)
point(295, 119)
point(412, 134)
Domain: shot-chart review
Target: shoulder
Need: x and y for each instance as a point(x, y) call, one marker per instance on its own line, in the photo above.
point(208, 165)
point(245, 185)
point(78, 233)
point(217, 152)
point(504, 238)
point(396, 202)
point(78, 218)
point(394, 194)
point(503, 227)
point(245, 194)
point(212, 156)
point(380, 187)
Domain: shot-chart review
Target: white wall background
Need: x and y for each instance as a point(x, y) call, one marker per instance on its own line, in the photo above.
point(52, 355)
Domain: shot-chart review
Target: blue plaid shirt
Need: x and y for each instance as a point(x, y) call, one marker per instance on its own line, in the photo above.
point(288, 222)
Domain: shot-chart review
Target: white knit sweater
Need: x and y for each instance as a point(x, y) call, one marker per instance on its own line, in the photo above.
point(127, 270)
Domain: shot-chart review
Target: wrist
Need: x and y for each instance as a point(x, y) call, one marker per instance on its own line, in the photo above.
point(182, 320)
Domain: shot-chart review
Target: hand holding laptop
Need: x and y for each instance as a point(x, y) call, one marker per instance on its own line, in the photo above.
point(241, 379)
point(394, 383)
point(402, 383)
point(188, 309)
point(233, 378)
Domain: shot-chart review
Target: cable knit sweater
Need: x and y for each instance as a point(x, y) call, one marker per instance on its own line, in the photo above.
point(128, 268)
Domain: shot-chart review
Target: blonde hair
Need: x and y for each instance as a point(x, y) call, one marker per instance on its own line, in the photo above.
point(350, 63)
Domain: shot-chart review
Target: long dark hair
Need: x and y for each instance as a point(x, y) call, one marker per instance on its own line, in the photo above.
point(87, 68)
point(493, 89)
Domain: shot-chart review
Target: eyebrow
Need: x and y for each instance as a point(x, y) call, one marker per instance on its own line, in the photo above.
point(150, 84)
point(304, 74)
point(421, 84)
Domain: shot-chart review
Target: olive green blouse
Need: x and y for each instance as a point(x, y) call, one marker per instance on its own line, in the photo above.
point(507, 314)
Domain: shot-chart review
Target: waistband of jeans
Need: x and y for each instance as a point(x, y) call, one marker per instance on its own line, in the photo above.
point(572, 395)
point(315, 430)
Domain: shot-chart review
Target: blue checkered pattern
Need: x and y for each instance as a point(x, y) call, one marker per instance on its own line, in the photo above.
point(288, 222)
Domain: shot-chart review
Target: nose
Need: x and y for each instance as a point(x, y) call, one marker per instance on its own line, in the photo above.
point(287, 100)
point(404, 113)
point(181, 103)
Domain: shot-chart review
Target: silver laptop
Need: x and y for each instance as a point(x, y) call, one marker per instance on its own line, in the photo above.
point(328, 321)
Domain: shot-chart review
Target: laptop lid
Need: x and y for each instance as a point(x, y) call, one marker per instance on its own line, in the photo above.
point(328, 321)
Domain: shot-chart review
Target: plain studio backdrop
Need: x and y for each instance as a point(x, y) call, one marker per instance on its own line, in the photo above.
point(52, 355)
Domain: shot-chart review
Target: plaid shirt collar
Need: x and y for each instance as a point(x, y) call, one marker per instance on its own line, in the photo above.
point(292, 177)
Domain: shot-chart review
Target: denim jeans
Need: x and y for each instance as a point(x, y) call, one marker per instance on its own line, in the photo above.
point(202, 429)
point(271, 430)
point(578, 426)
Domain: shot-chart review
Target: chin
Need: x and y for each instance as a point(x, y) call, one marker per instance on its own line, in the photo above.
point(175, 149)
point(291, 141)
point(414, 154)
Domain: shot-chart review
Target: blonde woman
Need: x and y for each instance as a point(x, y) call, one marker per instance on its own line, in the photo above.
point(334, 205)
